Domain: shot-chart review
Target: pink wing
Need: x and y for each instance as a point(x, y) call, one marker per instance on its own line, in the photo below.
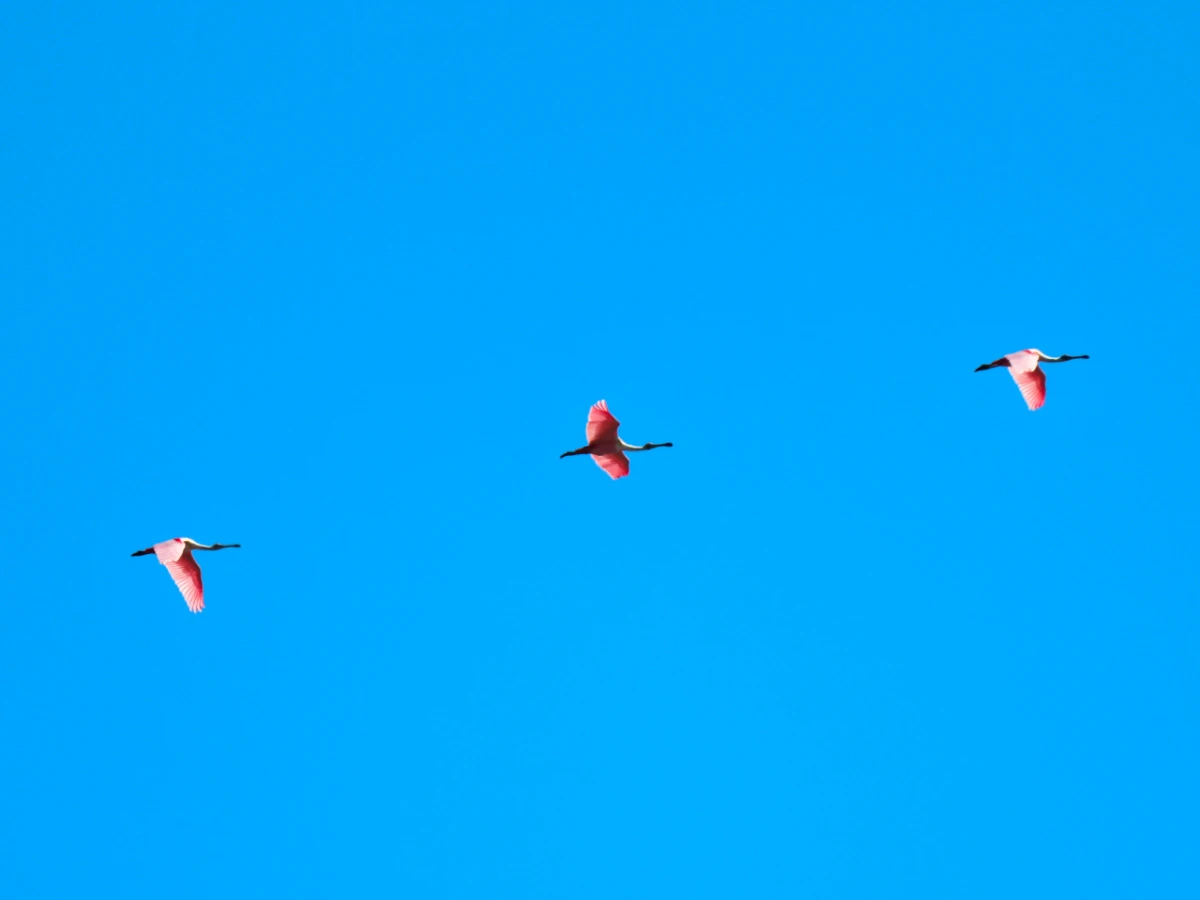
point(602, 425)
point(185, 571)
point(615, 464)
point(1032, 383)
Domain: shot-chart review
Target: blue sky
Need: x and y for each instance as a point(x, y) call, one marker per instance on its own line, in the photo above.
point(339, 282)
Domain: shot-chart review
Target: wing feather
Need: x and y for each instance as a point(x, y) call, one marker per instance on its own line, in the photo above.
point(1032, 383)
point(186, 573)
point(615, 464)
point(601, 424)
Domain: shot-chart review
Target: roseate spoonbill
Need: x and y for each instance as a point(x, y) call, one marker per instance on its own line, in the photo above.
point(176, 555)
point(1023, 367)
point(604, 445)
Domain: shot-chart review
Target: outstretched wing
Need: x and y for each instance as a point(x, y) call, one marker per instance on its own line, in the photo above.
point(186, 573)
point(602, 425)
point(1032, 383)
point(615, 464)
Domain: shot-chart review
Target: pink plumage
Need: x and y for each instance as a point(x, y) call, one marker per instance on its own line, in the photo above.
point(186, 573)
point(169, 551)
point(601, 425)
point(604, 445)
point(1032, 385)
point(1025, 370)
point(176, 555)
point(616, 464)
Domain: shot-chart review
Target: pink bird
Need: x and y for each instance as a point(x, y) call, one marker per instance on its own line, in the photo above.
point(606, 448)
point(1023, 367)
point(176, 555)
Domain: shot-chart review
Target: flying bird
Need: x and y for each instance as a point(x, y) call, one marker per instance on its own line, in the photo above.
point(605, 447)
point(176, 555)
point(1023, 367)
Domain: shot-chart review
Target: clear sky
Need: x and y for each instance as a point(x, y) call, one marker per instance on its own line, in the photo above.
point(340, 281)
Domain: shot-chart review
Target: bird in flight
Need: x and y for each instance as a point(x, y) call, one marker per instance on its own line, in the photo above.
point(1023, 367)
point(605, 447)
point(176, 555)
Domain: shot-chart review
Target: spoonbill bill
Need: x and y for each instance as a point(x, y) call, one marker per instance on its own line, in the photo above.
point(1023, 367)
point(605, 447)
point(176, 555)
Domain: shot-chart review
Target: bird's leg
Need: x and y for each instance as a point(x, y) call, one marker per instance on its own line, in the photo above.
point(578, 452)
point(145, 552)
point(1002, 361)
